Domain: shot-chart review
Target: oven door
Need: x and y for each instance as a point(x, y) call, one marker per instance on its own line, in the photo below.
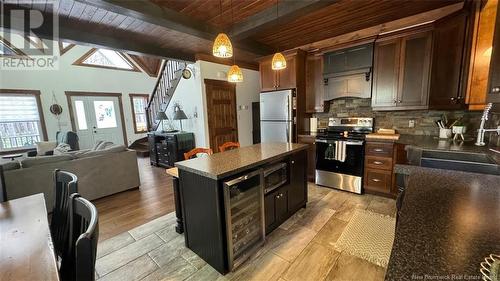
point(353, 164)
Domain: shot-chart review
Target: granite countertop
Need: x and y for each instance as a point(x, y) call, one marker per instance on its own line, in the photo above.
point(221, 165)
point(449, 222)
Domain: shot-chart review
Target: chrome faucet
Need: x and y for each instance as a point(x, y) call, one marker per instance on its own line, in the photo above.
point(482, 130)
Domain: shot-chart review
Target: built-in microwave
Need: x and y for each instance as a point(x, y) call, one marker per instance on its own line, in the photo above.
point(275, 176)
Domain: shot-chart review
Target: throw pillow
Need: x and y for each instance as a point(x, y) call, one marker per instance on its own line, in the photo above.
point(104, 145)
point(45, 146)
point(61, 149)
point(96, 145)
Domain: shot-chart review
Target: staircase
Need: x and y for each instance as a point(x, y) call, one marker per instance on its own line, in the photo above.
point(171, 74)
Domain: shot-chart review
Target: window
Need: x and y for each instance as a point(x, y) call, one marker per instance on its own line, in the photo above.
point(21, 119)
point(8, 50)
point(37, 42)
point(139, 103)
point(106, 59)
point(64, 47)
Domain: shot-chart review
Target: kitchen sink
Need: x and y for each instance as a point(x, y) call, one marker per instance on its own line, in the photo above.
point(460, 161)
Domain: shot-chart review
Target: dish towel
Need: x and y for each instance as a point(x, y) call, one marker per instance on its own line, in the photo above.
point(340, 151)
point(330, 152)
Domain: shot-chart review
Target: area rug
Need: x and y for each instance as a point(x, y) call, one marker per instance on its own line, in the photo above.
point(368, 236)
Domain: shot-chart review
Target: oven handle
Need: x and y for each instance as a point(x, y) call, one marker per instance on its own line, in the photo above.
point(347, 142)
point(242, 178)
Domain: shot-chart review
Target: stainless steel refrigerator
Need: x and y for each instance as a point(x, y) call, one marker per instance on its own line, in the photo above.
point(276, 116)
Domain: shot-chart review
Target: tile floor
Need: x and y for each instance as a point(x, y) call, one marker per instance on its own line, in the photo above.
point(300, 249)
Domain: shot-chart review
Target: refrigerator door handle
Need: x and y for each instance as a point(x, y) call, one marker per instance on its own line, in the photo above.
point(288, 134)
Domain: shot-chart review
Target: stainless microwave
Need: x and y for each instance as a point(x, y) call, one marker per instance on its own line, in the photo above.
point(275, 176)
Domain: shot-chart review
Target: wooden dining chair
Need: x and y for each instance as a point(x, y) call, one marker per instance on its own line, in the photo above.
point(3, 189)
point(228, 146)
point(193, 152)
point(78, 262)
point(65, 184)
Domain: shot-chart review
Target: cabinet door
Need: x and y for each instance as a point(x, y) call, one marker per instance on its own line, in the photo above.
point(446, 88)
point(314, 85)
point(311, 156)
point(267, 76)
point(269, 210)
point(287, 77)
point(281, 205)
point(359, 57)
point(386, 73)
point(414, 72)
point(297, 190)
point(378, 180)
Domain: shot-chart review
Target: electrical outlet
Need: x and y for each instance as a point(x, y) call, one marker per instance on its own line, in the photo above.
point(411, 124)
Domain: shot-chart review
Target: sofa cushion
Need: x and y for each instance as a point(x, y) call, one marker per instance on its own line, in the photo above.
point(96, 145)
point(11, 165)
point(43, 147)
point(104, 145)
point(40, 160)
point(62, 149)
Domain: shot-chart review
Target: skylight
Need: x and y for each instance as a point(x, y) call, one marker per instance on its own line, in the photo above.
point(108, 59)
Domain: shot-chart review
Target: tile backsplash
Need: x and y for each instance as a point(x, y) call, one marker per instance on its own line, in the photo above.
point(399, 120)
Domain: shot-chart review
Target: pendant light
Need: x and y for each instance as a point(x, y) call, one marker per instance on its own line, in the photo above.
point(278, 62)
point(234, 74)
point(222, 47)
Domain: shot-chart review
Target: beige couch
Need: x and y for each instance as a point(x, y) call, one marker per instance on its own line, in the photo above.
point(99, 174)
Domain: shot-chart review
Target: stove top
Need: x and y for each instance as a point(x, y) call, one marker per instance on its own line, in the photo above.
point(347, 128)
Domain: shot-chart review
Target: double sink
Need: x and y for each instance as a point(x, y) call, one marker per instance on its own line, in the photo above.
point(460, 161)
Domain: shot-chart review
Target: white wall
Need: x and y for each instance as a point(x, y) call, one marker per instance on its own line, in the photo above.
point(78, 78)
point(192, 98)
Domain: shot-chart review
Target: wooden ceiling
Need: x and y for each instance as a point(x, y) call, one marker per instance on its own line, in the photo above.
point(180, 29)
point(209, 11)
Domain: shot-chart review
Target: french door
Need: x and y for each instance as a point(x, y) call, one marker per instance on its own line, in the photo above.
point(97, 118)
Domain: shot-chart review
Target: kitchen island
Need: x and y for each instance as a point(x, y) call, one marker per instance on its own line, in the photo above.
point(230, 200)
point(448, 223)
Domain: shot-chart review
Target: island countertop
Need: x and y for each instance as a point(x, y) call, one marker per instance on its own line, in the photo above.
point(221, 165)
point(447, 225)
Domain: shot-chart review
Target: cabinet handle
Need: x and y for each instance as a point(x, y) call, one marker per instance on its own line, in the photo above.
point(375, 180)
point(377, 163)
point(293, 162)
point(394, 101)
point(378, 150)
point(399, 101)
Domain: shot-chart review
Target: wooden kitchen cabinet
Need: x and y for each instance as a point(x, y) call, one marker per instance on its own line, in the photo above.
point(402, 71)
point(287, 78)
point(297, 189)
point(315, 89)
point(447, 84)
point(494, 75)
point(311, 155)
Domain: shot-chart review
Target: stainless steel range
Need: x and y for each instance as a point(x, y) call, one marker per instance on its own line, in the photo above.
point(340, 153)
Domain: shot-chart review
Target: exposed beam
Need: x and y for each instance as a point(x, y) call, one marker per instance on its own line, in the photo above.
point(370, 33)
point(288, 10)
point(149, 12)
point(74, 32)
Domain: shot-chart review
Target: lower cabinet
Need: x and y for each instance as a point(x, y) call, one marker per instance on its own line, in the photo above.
point(283, 202)
point(311, 155)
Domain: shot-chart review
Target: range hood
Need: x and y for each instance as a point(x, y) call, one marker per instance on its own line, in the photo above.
point(348, 72)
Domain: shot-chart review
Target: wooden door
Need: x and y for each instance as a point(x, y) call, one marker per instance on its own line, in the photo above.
point(315, 89)
point(415, 71)
point(287, 77)
point(386, 73)
point(268, 76)
point(447, 62)
point(221, 111)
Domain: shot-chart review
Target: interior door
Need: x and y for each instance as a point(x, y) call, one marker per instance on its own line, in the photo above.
point(97, 118)
point(221, 111)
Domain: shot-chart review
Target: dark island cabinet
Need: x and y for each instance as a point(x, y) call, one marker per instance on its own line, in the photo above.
point(282, 203)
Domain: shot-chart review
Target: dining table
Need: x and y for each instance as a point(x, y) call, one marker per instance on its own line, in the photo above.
point(26, 251)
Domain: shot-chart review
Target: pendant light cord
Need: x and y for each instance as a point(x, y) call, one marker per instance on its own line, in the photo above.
point(277, 23)
point(232, 29)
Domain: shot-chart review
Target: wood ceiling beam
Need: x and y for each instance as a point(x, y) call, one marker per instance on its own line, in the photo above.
point(288, 10)
point(72, 32)
point(370, 34)
point(149, 12)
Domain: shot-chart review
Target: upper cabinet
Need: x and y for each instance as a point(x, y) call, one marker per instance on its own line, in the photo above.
point(494, 81)
point(287, 78)
point(447, 85)
point(402, 71)
point(315, 94)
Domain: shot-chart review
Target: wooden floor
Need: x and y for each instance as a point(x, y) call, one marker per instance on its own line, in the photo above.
point(123, 211)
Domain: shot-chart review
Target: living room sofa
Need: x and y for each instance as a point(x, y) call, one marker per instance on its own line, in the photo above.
point(100, 173)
